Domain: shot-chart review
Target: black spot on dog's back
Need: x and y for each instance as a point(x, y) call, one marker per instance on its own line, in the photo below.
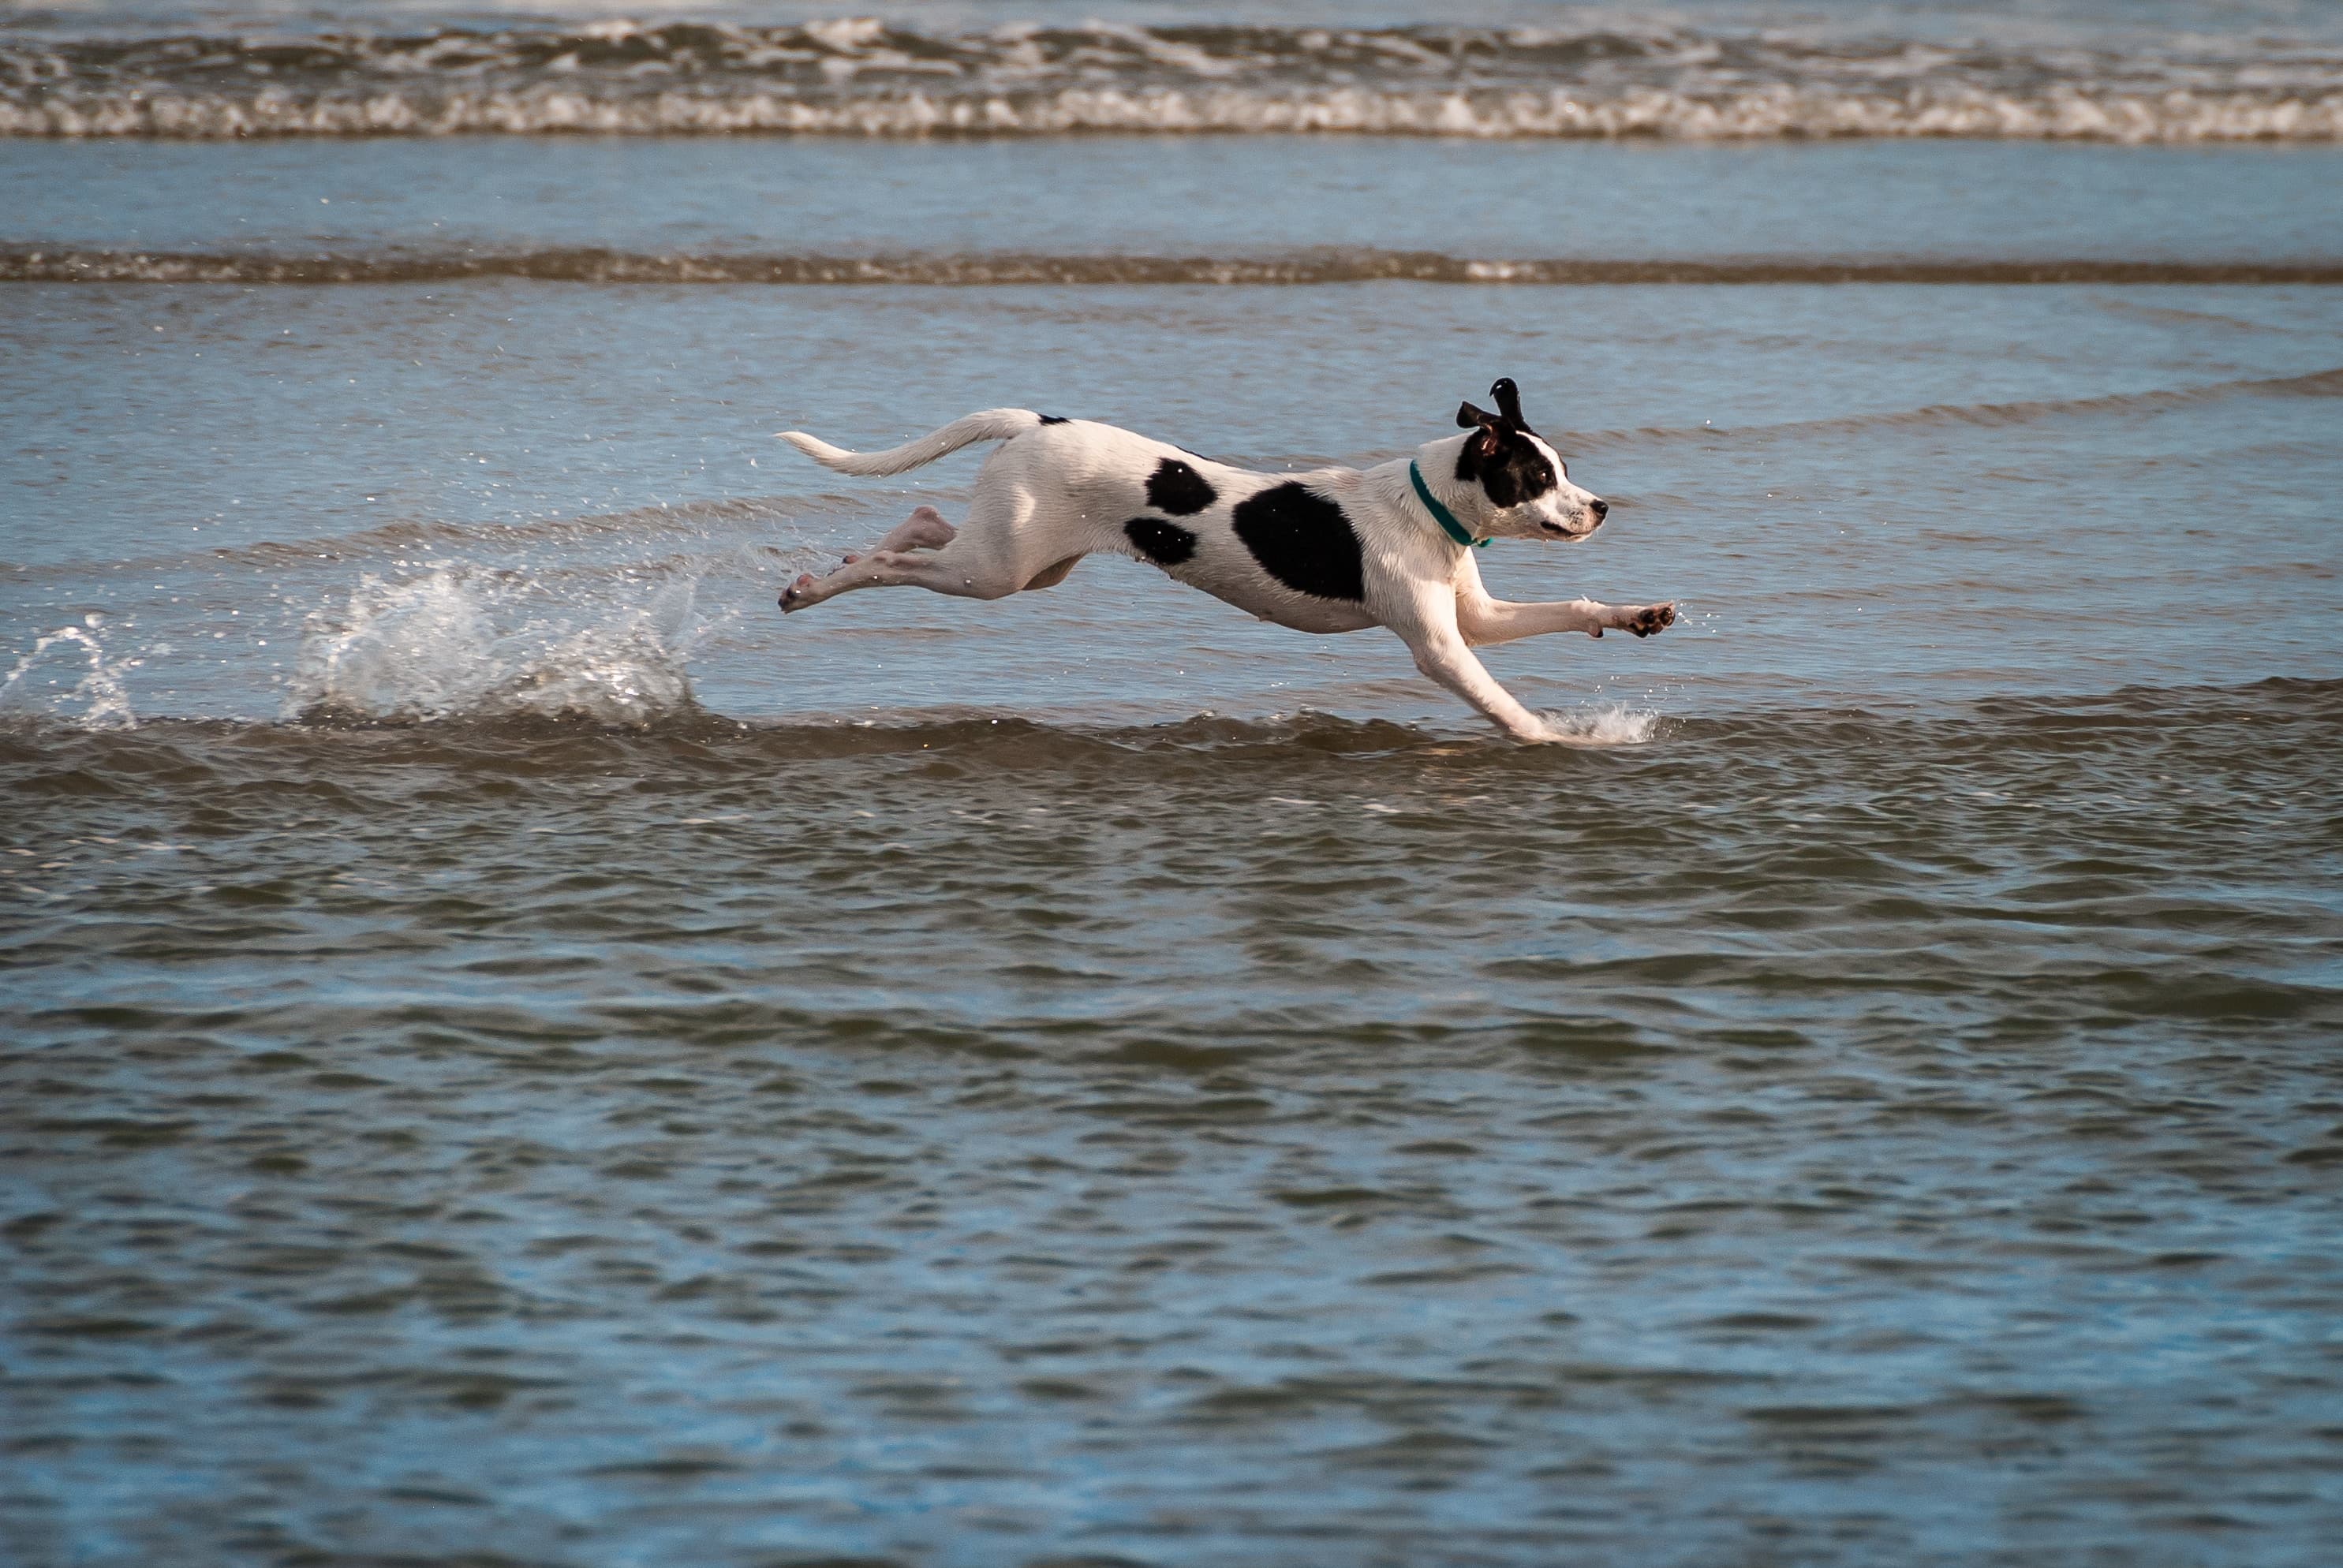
point(1055, 419)
point(1165, 543)
point(1178, 489)
point(1303, 540)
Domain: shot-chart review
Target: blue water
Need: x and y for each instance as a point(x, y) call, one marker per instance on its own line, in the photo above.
point(515, 1052)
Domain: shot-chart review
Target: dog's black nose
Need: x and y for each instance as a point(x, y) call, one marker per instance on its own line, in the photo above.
point(1601, 509)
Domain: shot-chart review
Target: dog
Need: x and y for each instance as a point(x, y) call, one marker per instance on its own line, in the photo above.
point(1335, 549)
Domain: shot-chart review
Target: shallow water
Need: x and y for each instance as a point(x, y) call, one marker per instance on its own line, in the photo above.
point(1804, 1137)
point(517, 1053)
point(1901, 495)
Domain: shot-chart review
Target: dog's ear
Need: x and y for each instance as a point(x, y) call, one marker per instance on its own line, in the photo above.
point(1483, 446)
point(1467, 416)
point(1509, 401)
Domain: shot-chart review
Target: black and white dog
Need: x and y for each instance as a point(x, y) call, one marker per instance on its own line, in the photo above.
point(1337, 549)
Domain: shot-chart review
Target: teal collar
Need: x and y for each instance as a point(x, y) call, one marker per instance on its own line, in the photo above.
point(1439, 514)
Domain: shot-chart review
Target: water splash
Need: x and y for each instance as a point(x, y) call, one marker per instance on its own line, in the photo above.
point(461, 643)
point(99, 694)
point(1617, 725)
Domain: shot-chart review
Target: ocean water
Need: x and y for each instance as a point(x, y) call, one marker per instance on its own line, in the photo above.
point(510, 1051)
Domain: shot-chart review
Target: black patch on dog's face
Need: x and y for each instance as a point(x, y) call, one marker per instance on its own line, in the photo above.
point(1165, 543)
point(1178, 489)
point(1501, 458)
point(1054, 419)
point(1507, 466)
point(1303, 540)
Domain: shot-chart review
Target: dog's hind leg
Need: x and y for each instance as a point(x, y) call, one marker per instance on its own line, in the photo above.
point(963, 568)
point(1006, 544)
point(887, 569)
point(924, 529)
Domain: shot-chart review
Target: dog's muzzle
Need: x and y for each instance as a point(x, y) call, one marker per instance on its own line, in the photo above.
point(1597, 510)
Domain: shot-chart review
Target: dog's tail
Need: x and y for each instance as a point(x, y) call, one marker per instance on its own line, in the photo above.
point(986, 425)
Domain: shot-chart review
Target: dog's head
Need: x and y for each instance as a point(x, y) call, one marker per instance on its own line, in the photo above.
point(1527, 484)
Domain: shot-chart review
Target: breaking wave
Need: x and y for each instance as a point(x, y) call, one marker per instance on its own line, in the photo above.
point(52, 263)
point(863, 77)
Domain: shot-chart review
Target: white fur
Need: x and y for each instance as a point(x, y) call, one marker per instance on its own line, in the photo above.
point(985, 424)
point(1056, 492)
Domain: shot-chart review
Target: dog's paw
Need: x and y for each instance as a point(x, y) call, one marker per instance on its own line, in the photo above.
point(794, 595)
point(1651, 618)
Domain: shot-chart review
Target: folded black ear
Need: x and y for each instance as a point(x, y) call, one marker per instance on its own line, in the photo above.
point(1509, 401)
point(1467, 416)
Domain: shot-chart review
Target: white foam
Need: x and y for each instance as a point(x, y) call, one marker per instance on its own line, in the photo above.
point(1760, 114)
point(1596, 76)
point(458, 643)
point(98, 699)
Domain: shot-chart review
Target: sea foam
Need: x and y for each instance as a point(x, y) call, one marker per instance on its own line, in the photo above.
point(867, 79)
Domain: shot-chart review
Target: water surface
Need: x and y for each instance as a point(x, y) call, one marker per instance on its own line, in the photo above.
point(515, 1052)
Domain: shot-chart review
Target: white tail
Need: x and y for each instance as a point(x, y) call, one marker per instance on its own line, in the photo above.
point(986, 425)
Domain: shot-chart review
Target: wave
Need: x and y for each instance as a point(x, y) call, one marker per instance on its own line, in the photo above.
point(2288, 709)
point(2312, 384)
point(683, 519)
point(863, 77)
point(50, 264)
point(684, 522)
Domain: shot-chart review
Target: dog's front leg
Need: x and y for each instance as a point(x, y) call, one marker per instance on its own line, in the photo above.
point(1448, 661)
point(1429, 628)
point(1486, 620)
